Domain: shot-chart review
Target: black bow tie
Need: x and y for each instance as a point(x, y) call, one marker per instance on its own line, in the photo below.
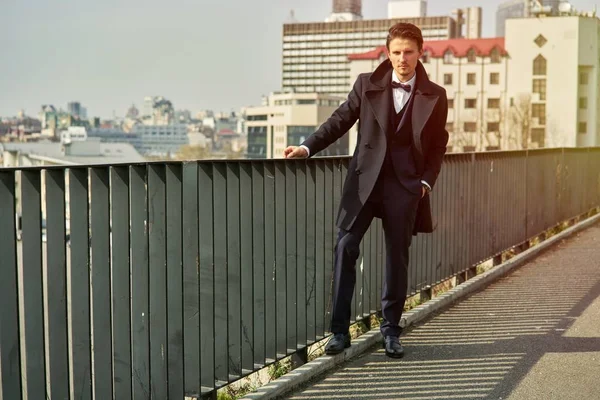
point(397, 85)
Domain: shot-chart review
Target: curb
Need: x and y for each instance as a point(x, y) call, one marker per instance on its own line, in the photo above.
point(310, 370)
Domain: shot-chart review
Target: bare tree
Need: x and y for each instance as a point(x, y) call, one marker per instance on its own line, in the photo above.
point(491, 138)
point(519, 119)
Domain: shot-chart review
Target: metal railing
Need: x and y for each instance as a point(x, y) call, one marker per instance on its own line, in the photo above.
point(161, 280)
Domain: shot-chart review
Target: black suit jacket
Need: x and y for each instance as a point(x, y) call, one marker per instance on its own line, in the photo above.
point(370, 103)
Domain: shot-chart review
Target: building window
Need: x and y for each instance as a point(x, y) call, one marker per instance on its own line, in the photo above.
point(495, 56)
point(447, 79)
point(450, 103)
point(471, 78)
point(425, 57)
point(538, 136)
point(539, 111)
point(539, 65)
point(448, 57)
point(493, 103)
point(471, 56)
point(540, 40)
point(583, 103)
point(583, 78)
point(306, 101)
point(257, 117)
point(449, 126)
point(494, 78)
point(470, 103)
point(539, 87)
point(582, 127)
point(493, 127)
point(470, 127)
point(298, 134)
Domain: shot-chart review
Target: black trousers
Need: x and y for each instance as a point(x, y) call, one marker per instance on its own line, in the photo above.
point(397, 208)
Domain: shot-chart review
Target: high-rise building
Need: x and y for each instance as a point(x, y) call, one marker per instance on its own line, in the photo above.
point(74, 109)
point(522, 9)
point(315, 55)
point(470, 19)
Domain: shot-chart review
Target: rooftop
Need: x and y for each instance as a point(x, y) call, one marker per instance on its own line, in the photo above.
point(87, 152)
point(437, 48)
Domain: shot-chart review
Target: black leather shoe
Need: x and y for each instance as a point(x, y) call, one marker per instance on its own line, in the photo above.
point(337, 343)
point(392, 347)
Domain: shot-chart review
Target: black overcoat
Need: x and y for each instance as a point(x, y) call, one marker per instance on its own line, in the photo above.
point(369, 102)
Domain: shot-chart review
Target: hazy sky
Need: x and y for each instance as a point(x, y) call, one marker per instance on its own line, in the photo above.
point(200, 54)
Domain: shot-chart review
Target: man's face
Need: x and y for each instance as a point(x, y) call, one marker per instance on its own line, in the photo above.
point(404, 55)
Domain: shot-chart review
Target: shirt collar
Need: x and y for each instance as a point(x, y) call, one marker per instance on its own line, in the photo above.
point(411, 82)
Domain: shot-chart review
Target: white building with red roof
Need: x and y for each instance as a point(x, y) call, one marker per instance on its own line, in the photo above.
point(537, 87)
point(473, 72)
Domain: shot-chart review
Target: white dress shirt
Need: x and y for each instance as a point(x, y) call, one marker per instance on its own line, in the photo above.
point(400, 95)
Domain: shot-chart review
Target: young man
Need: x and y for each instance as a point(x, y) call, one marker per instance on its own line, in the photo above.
point(401, 142)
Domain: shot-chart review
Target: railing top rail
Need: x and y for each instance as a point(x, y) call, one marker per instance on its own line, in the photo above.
point(277, 160)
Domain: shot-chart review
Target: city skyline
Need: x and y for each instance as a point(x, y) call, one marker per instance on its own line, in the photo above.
point(109, 55)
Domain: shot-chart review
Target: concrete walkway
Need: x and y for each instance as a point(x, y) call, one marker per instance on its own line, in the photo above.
point(534, 334)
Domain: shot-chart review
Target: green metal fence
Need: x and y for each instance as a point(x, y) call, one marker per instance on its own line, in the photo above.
point(159, 280)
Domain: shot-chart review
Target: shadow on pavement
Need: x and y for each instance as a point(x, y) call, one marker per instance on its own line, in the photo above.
point(532, 334)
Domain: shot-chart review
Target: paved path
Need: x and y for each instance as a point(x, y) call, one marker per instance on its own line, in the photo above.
point(534, 334)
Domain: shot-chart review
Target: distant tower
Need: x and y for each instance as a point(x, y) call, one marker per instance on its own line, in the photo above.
point(346, 10)
point(347, 6)
point(470, 18)
point(133, 112)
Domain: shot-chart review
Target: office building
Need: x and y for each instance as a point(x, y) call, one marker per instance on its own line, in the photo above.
point(286, 119)
point(315, 55)
point(161, 140)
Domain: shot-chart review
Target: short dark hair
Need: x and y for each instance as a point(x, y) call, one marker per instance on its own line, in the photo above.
point(405, 30)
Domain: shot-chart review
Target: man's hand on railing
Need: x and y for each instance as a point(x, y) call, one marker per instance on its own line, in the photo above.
point(295, 152)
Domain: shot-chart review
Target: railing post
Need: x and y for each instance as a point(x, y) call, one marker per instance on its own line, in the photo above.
point(367, 322)
point(524, 246)
point(300, 357)
point(209, 396)
point(466, 275)
point(426, 294)
point(470, 273)
point(542, 236)
point(497, 260)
